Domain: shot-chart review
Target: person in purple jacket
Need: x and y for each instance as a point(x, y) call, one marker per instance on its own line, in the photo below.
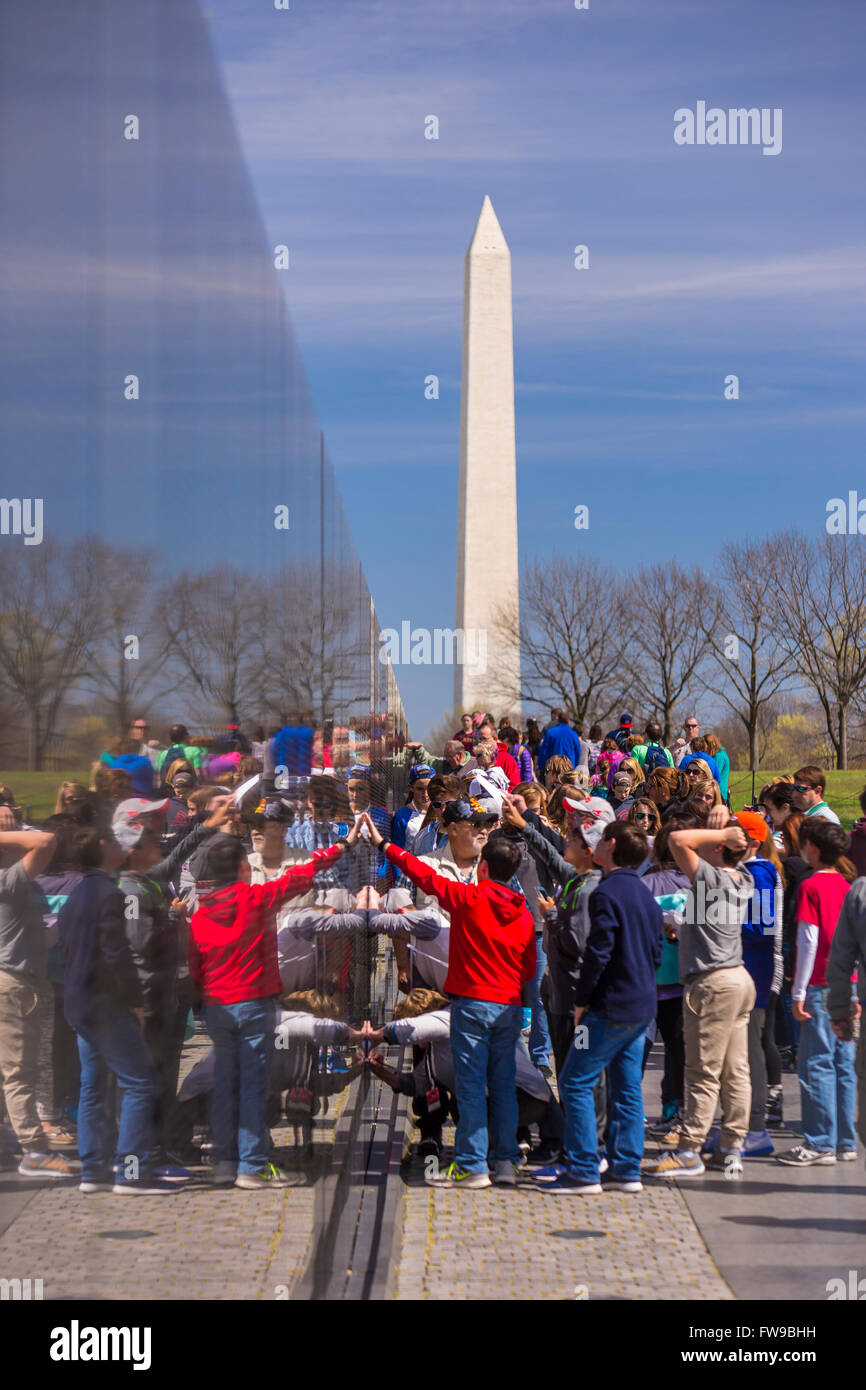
point(521, 755)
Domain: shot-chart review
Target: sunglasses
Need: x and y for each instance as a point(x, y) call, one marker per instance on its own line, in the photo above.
point(795, 788)
point(643, 815)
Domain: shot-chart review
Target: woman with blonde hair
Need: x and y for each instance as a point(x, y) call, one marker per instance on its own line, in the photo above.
point(555, 770)
point(74, 799)
point(535, 796)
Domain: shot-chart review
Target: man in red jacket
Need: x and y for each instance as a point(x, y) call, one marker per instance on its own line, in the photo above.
point(233, 961)
point(491, 957)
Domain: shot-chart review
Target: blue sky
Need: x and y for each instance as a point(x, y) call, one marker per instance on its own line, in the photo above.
point(704, 261)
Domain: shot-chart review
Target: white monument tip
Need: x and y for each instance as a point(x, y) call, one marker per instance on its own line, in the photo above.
point(488, 235)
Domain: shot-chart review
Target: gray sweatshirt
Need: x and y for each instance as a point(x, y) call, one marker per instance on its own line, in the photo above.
point(847, 952)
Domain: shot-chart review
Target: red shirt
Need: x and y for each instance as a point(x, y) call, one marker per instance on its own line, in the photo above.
point(491, 952)
point(233, 937)
point(819, 903)
point(508, 765)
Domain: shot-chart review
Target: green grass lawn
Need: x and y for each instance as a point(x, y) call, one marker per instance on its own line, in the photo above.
point(843, 791)
point(36, 791)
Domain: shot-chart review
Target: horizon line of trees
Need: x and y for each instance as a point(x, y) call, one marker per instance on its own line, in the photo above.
point(93, 625)
point(771, 620)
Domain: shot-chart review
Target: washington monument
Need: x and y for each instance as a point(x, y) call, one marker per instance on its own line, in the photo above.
point(487, 520)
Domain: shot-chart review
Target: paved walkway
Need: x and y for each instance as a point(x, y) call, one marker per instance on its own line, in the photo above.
point(203, 1243)
point(776, 1234)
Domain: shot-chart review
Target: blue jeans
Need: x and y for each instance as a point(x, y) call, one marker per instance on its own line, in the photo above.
point(539, 1035)
point(243, 1044)
point(118, 1047)
point(617, 1047)
point(483, 1039)
point(828, 1083)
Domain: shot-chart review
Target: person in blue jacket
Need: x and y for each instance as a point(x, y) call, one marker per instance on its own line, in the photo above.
point(615, 1002)
point(559, 739)
point(407, 821)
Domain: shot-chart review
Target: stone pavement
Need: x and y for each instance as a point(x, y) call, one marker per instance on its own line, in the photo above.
point(705, 1239)
point(203, 1243)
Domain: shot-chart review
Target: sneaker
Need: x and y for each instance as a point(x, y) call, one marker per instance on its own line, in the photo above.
point(506, 1173)
point(622, 1185)
point(670, 1119)
point(172, 1172)
point(455, 1176)
point(543, 1155)
point(429, 1148)
point(757, 1144)
point(550, 1173)
point(846, 1155)
point(224, 1173)
point(88, 1185)
point(576, 1187)
point(40, 1165)
point(59, 1138)
point(802, 1157)
point(142, 1187)
point(269, 1176)
point(728, 1162)
point(189, 1157)
point(680, 1163)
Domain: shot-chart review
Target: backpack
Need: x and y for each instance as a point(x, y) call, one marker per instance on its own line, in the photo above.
point(621, 738)
point(172, 754)
point(655, 757)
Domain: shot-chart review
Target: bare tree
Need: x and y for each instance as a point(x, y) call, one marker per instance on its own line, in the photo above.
point(819, 609)
point(213, 628)
point(751, 664)
point(318, 641)
point(127, 652)
point(570, 638)
point(49, 599)
point(670, 611)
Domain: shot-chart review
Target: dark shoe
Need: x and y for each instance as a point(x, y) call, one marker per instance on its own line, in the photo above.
point(429, 1148)
point(729, 1164)
point(543, 1154)
point(143, 1187)
point(775, 1117)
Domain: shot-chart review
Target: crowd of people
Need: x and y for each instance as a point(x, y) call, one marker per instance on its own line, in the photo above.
point(554, 903)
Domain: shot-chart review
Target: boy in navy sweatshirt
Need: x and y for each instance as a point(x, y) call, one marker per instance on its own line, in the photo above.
point(615, 1002)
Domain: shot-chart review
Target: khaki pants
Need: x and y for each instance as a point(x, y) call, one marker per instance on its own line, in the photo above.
point(716, 1008)
point(19, 1055)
